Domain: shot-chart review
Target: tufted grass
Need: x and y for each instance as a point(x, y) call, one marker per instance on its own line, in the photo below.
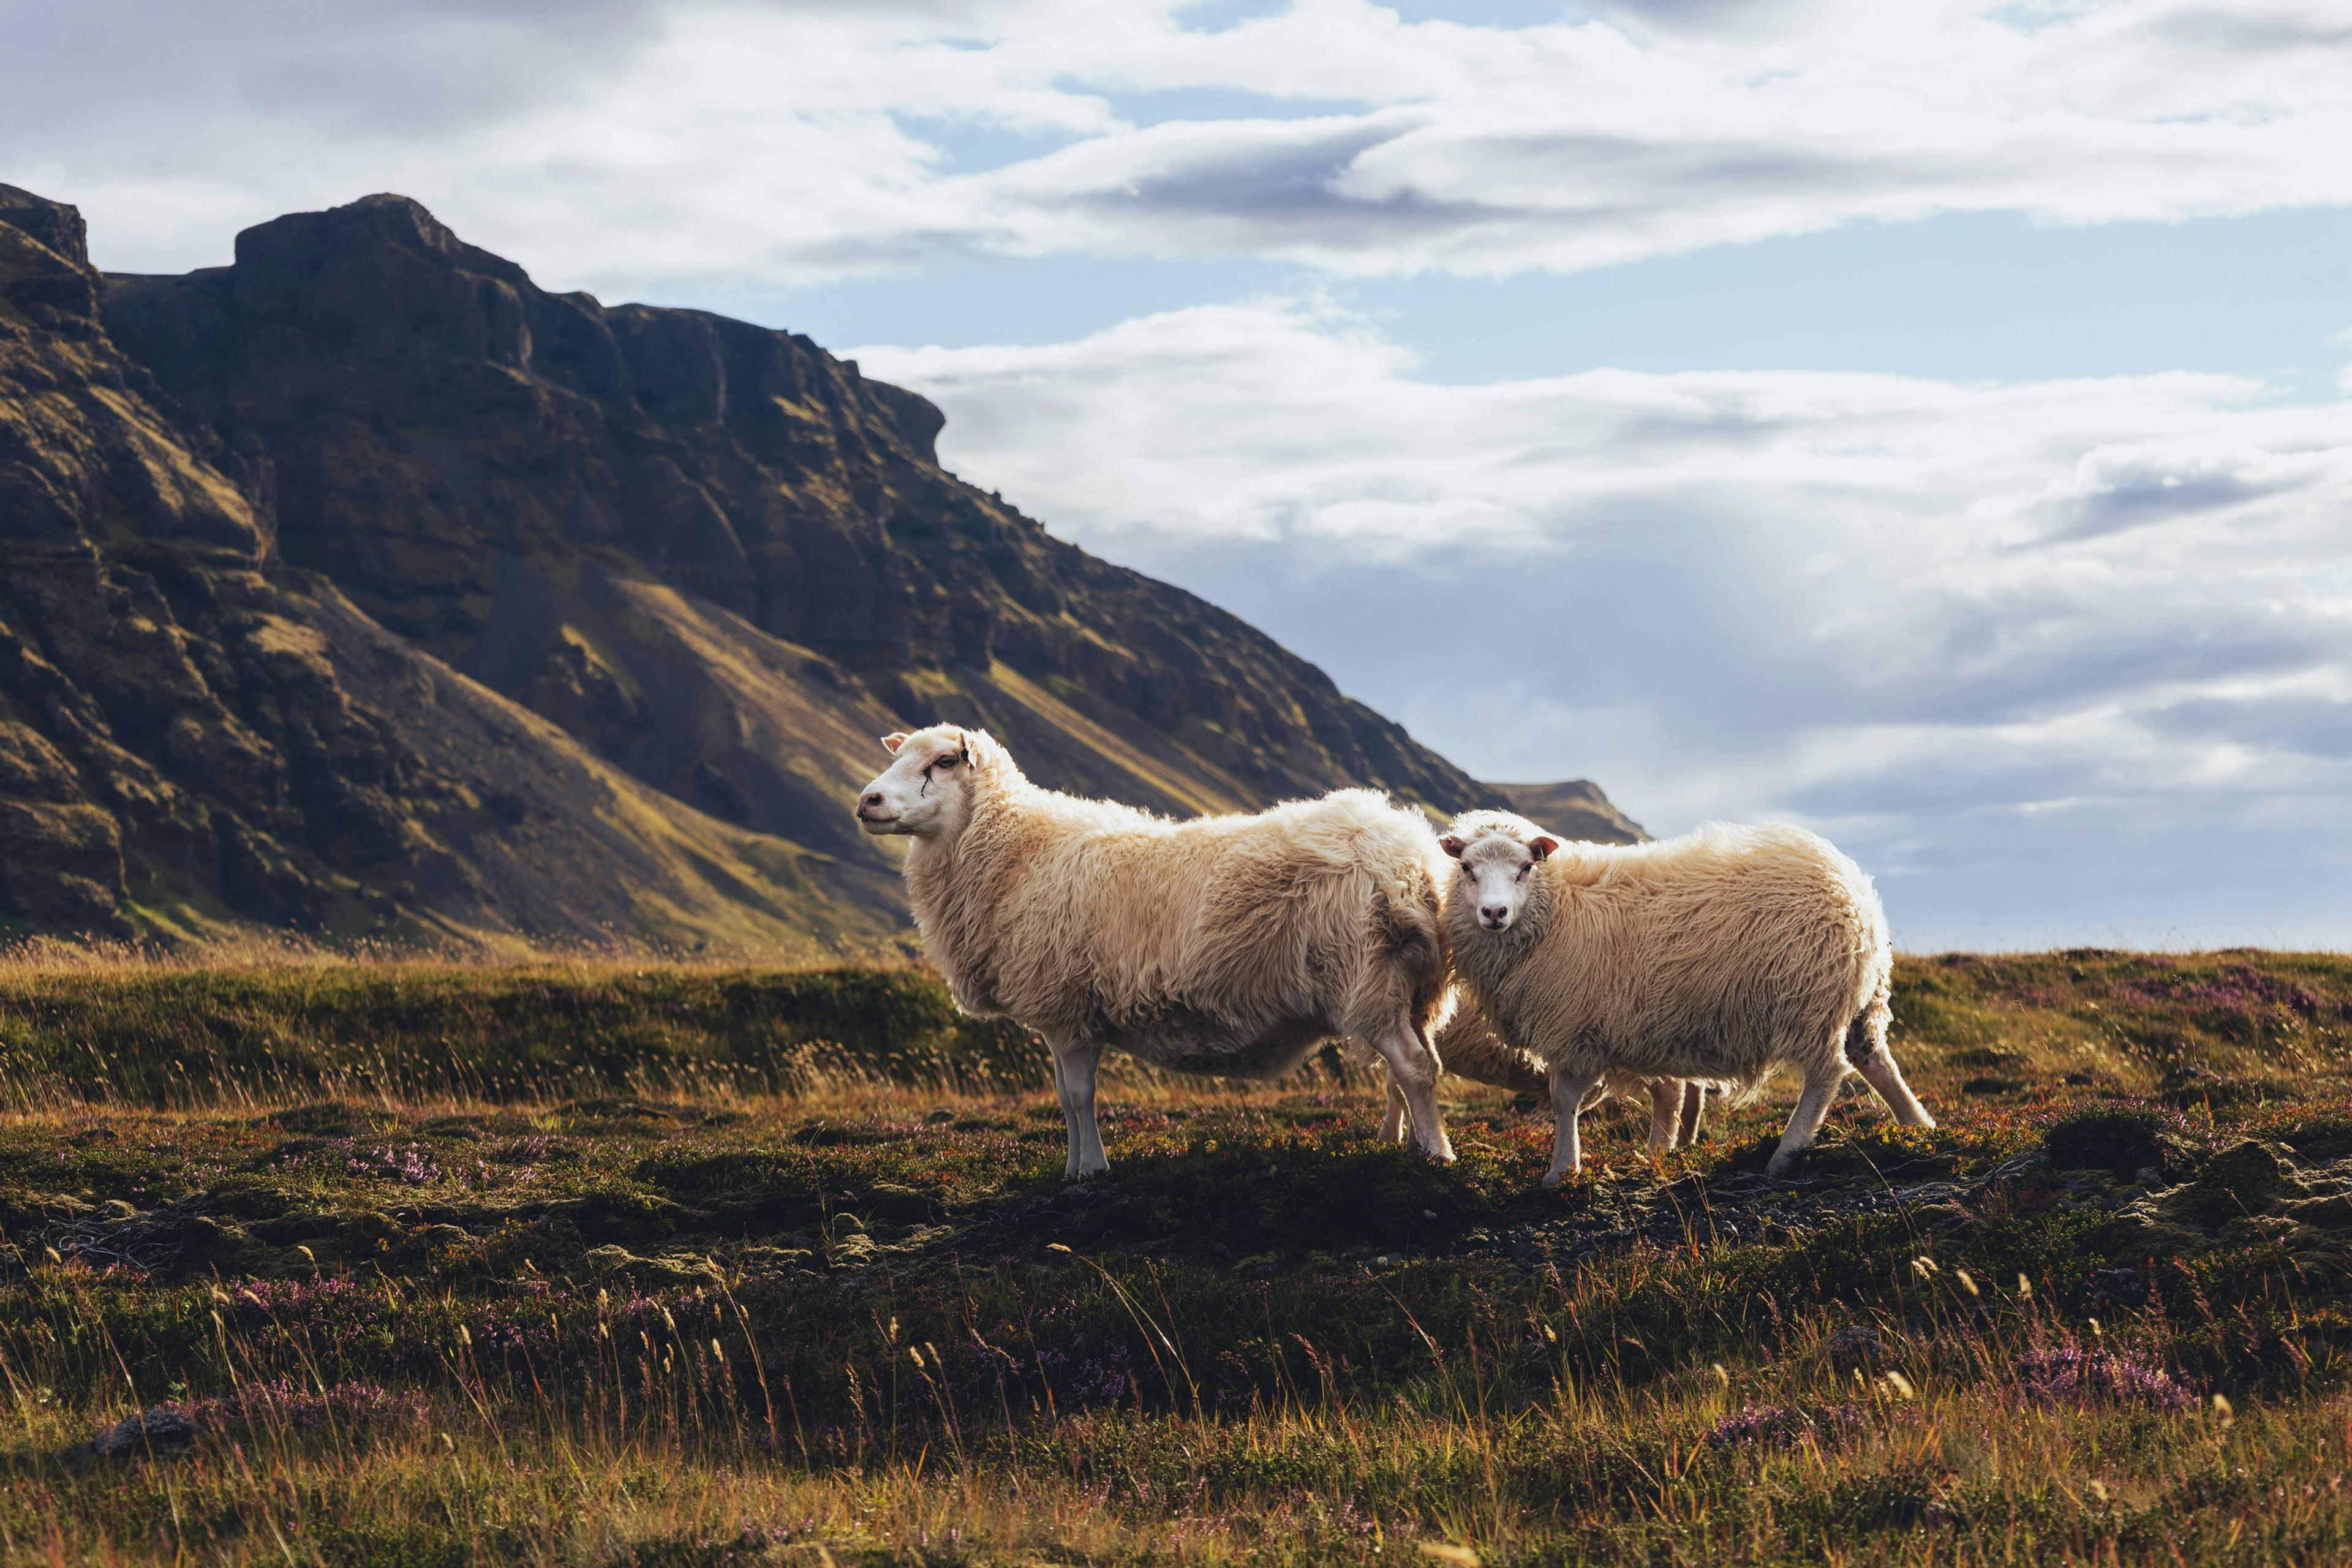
point(586, 1263)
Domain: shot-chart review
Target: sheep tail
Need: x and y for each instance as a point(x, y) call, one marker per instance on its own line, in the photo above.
point(1413, 934)
point(1866, 1035)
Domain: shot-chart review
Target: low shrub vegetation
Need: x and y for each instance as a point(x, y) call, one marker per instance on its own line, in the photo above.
point(600, 1264)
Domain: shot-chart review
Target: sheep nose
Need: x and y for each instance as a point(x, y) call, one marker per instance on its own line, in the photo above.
point(872, 797)
point(1493, 914)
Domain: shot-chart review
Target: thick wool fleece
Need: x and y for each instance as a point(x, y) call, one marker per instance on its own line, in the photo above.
point(1225, 944)
point(1720, 954)
point(1471, 1047)
point(1717, 955)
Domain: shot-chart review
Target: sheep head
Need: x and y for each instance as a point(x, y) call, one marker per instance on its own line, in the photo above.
point(1498, 853)
point(927, 790)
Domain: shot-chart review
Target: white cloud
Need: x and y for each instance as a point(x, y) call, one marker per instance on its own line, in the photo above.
point(1945, 622)
point(729, 141)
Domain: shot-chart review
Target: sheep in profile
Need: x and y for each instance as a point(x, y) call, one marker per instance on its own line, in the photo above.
point(1720, 954)
point(1471, 1048)
point(1230, 945)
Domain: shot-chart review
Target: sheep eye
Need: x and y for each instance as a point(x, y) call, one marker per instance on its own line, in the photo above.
point(1524, 870)
point(946, 761)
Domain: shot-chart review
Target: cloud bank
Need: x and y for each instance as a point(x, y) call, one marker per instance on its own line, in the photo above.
point(626, 145)
point(2020, 646)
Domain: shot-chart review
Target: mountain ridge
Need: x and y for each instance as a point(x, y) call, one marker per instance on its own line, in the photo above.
point(348, 507)
point(196, 739)
point(1577, 807)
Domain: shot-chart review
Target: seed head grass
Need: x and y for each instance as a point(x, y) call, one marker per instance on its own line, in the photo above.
point(596, 1263)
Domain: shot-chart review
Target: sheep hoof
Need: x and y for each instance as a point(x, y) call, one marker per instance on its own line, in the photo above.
point(1778, 1166)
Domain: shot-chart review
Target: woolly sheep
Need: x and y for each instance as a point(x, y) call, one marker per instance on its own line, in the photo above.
point(1230, 945)
point(1720, 954)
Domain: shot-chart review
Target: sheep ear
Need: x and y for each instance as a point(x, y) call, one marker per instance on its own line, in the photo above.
point(1452, 845)
point(1542, 847)
point(891, 743)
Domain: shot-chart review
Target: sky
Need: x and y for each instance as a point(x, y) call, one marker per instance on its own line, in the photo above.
point(1931, 423)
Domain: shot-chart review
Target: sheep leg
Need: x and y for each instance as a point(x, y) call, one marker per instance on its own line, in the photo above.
point(1812, 1108)
point(1879, 1071)
point(1694, 1107)
point(1069, 1123)
point(1665, 1101)
point(1412, 1076)
point(1392, 1127)
point(1568, 1093)
point(1074, 1085)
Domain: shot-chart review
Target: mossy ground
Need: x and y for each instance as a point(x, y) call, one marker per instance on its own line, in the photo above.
point(585, 1264)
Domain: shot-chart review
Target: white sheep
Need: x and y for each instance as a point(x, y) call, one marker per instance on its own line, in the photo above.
point(1470, 1046)
point(1720, 954)
point(1228, 945)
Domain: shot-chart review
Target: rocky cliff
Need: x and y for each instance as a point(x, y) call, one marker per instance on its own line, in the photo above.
point(363, 585)
point(197, 737)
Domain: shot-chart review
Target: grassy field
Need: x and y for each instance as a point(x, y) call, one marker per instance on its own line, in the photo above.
point(595, 1264)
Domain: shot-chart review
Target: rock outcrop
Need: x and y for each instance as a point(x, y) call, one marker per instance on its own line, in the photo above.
point(1577, 808)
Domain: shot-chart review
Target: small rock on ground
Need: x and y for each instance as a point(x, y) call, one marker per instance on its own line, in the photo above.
point(160, 1430)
